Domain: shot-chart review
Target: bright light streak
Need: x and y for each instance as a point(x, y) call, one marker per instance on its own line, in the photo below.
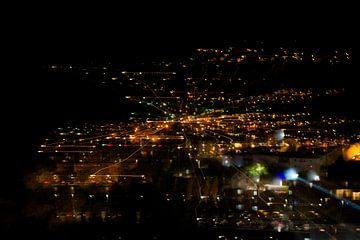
point(324, 190)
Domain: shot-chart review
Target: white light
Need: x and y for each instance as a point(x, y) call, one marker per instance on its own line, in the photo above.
point(279, 135)
point(313, 176)
point(291, 174)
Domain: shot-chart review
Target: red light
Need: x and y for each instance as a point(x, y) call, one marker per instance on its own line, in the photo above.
point(109, 145)
point(159, 145)
point(126, 145)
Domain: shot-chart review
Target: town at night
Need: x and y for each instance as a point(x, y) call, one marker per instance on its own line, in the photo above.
point(218, 139)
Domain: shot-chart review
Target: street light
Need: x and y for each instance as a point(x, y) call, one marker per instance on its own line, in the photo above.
point(291, 174)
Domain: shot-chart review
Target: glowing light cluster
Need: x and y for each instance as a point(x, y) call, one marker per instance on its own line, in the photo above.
point(279, 135)
point(352, 152)
point(257, 170)
point(291, 174)
point(313, 176)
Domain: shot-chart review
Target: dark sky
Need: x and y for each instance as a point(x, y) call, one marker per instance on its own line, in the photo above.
point(63, 32)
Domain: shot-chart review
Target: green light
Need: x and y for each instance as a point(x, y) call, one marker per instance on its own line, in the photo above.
point(256, 170)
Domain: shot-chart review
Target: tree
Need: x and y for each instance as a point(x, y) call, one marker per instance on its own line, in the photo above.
point(256, 170)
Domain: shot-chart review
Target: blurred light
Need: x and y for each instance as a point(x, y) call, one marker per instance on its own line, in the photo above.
point(313, 176)
point(279, 135)
point(352, 152)
point(238, 145)
point(291, 174)
point(280, 175)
